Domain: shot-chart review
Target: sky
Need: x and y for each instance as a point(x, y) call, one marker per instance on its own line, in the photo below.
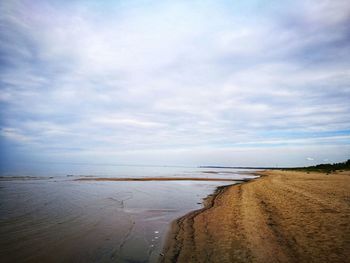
point(241, 83)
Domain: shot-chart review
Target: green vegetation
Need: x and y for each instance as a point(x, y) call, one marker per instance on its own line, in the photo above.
point(324, 168)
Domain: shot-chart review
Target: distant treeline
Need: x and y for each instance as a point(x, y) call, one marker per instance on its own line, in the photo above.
point(326, 167)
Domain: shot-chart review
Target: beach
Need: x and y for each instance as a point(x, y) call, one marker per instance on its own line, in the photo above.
point(284, 216)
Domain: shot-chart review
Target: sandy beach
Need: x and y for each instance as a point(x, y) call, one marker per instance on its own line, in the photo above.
point(284, 216)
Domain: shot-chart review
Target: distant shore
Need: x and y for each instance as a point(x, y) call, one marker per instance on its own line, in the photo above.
point(285, 216)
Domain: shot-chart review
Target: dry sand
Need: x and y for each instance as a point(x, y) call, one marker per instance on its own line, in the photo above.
point(281, 217)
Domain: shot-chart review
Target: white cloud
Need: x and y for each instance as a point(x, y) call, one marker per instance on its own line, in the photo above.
point(116, 121)
point(14, 135)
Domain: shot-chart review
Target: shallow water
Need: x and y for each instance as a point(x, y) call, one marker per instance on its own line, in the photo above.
point(57, 219)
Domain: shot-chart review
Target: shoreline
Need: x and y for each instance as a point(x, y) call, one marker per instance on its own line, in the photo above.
point(144, 179)
point(282, 216)
point(172, 247)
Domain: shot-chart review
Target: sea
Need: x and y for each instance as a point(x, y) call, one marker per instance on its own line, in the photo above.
point(55, 218)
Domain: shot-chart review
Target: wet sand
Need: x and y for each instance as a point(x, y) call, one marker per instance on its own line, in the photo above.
point(284, 216)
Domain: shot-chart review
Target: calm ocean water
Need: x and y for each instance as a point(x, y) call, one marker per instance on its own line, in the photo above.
point(52, 218)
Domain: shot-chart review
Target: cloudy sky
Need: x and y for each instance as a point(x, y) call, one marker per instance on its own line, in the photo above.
point(223, 82)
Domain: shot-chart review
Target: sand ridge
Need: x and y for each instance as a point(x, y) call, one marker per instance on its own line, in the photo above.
point(284, 216)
